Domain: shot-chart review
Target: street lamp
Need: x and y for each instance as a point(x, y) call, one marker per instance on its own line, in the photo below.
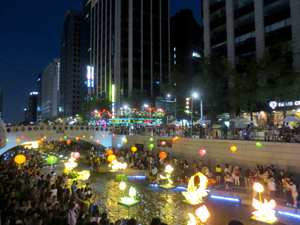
point(145, 105)
point(201, 105)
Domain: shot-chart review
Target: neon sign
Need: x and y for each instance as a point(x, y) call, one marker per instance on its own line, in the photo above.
point(274, 104)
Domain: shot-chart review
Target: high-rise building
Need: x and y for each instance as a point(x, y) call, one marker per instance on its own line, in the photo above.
point(130, 48)
point(1, 103)
point(186, 43)
point(32, 107)
point(241, 29)
point(39, 99)
point(50, 90)
point(70, 64)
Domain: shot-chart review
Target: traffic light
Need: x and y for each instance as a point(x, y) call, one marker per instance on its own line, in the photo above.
point(187, 105)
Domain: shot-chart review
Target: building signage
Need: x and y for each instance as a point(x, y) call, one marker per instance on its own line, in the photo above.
point(60, 131)
point(275, 104)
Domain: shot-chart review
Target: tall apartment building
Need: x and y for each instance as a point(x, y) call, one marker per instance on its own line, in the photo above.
point(70, 64)
point(186, 49)
point(32, 107)
point(50, 90)
point(1, 103)
point(39, 99)
point(241, 29)
point(130, 43)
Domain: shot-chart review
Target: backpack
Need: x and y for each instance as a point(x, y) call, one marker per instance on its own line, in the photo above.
point(91, 209)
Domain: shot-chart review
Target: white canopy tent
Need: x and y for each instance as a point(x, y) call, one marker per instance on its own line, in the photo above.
point(290, 119)
point(2, 134)
point(175, 122)
point(240, 122)
point(201, 122)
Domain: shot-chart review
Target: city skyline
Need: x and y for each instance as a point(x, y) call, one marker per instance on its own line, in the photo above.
point(32, 40)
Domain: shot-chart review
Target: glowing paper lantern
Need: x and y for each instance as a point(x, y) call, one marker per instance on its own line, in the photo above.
point(91, 137)
point(39, 141)
point(76, 155)
point(61, 139)
point(151, 146)
point(109, 152)
point(103, 135)
point(7, 140)
point(150, 139)
point(163, 143)
point(134, 149)
point(68, 142)
point(17, 140)
point(125, 140)
point(132, 192)
point(42, 139)
point(83, 136)
point(83, 175)
point(258, 144)
point(265, 211)
point(162, 155)
point(45, 137)
point(173, 139)
point(203, 213)
point(65, 137)
point(233, 148)
point(98, 142)
point(77, 138)
point(51, 160)
point(202, 152)
point(122, 185)
point(22, 137)
point(100, 135)
point(20, 159)
point(176, 138)
point(258, 187)
point(111, 158)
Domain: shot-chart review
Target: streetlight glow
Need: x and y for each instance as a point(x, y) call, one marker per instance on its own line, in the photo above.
point(125, 107)
point(195, 95)
point(168, 95)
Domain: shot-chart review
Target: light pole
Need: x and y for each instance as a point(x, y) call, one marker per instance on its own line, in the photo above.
point(194, 95)
point(125, 107)
point(175, 113)
point(201, 105)
point(145, 105)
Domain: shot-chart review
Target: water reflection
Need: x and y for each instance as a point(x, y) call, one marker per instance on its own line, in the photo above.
point(168, 205)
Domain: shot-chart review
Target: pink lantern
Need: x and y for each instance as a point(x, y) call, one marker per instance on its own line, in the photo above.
point(163, 143)
point(76, 155)
point(98, 142)
point(202, 152)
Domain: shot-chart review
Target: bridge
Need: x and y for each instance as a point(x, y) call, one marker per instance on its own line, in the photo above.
point(90, 134)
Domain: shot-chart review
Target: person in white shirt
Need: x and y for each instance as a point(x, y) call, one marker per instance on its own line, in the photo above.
point(272, 187)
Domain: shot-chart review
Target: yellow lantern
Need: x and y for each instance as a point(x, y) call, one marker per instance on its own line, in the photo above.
point(233, 148)
point(45, 137)
point(77, 138)
point(17, 140)
point(83, 136)
point(39, 141)
point(125, 140)
point(20, 159)
point(134, 149)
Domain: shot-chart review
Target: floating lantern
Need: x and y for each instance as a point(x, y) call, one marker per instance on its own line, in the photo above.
point(83, 136)
point(70, 165)
point(162, 155)
point(163, 143)
point(98, 142)
point(22, 137)
point(68, 142)
point(83, 175)
point(20, 159)
point(77, 138)
point(17, 140)
point(265, 212)
point(150, 139)
point(111, 158)
point(65, 137)
point(151, 146)
point(134, 149)
point(122, 185)
point(51, 160)
point(109, 152)
point(194, 194)
point(258, 144)
point(115, 165)
point(233, 148)
point(202, 152)
point(125, 140)
point(203, 213)
point(45, 137)
point(259, 188)
point(76, 155)
point(91, 137)
point(132, 192)
point(61, 139)
point(7, 140)
point(169, 169)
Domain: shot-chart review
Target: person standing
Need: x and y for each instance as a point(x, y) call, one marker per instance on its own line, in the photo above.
point(272, 187)
point(236, 175)
point(280, 183)
point(71, 215)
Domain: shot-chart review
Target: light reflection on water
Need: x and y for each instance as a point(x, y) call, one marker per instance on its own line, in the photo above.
point(167, 205)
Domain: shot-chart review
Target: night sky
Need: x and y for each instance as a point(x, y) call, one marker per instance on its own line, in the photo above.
point(30, 33)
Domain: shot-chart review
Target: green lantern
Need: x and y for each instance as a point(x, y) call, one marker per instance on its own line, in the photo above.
point(51, 160)
point(151, 146)
point(258, 144)
point(151, 139)
point(65, 137)
point(7, 140)
point(91, 137)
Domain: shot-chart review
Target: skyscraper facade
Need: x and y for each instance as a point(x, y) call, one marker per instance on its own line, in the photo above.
point(241, 29)
point(32, 107)
point(39, 99)
point(186, 49)
point(70, 97)
point(130, 47)
point(50, 90)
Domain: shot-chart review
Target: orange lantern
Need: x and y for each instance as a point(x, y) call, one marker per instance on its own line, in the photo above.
point(162, 155)
point(83, 136)
point(77, 138)
point(17, 140)
point(111, 158)
point(20, 159)
point(109, 152)
point(100, 135)
point(125, 140)
point(61, 139)
point(233, 148)
point(134, 149)
point(173, 139)
point(68, 142)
